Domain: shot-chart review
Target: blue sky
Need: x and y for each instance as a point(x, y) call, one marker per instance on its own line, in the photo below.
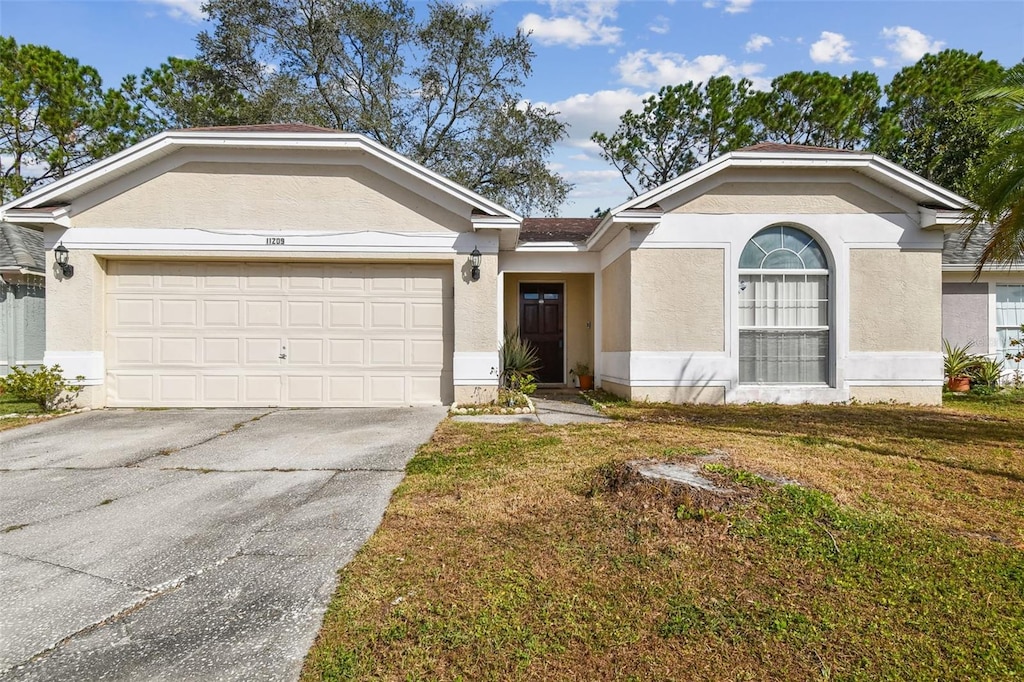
point(595, 59)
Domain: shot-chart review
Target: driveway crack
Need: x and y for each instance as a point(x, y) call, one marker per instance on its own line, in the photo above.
point(119, 583)
point(171, 451)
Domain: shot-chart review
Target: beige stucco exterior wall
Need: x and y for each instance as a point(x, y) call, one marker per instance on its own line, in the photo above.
point(714, 395)
point(75, 314)
point(615, 305)
point(579, 311)
point(476, 323)
point(782, 197)
point(895, 300)
point(678, 300)
point(226, 196)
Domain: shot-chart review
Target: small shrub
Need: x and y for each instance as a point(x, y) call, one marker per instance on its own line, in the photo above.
point(46, 387)
point(987, 373)
point(958, 361)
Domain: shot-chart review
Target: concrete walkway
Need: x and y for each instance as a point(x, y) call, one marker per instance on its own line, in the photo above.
point(550, 411)
point(186, 544)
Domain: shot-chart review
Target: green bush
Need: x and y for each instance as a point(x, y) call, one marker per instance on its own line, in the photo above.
point(46, 387)
point(987, 372)
point(519, 360)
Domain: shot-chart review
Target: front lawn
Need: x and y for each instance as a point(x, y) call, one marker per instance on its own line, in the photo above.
point(507, 554)
point(9, 405)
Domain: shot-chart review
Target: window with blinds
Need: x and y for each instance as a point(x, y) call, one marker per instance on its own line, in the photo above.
point(783, 309)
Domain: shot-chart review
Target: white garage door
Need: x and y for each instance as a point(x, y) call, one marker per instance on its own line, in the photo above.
point(289, 334)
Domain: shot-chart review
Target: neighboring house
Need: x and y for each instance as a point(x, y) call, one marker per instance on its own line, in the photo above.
point(297, 266)
point(985, 311)
point(22, 297)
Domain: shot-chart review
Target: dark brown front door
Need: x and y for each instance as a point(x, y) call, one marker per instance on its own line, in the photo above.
point(540, 323)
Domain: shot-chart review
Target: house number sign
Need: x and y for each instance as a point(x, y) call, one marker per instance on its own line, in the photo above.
point(275, 241)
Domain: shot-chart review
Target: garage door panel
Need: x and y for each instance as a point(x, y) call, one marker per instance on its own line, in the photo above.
point(261, 351)
point(262, 389)
point(192, 334)
point(178, 351)
point(222, 351)
point(177, 312)
point(305, 314)
point(222, 389)
point(129, 312)
point(263, 277)
point(264, 313)
point(387, 315)
point(177, 389)
point(134, 388)
point(221, 313)
point(133, 350)
point(346, 351)
point(304, 389)
point(306, 352)
point(345, 315)
point(390, 352)
point(427, 315)
point(426, 353)
point(223, 277)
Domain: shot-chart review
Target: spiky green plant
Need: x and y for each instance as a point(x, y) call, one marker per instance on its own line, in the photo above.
point(519, 360)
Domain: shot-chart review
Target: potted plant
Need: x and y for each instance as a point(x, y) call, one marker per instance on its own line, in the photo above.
point(958, 362)
point(585, 376)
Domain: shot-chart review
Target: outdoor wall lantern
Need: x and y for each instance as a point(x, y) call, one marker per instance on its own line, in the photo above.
point(60, 254)
point(474, 260)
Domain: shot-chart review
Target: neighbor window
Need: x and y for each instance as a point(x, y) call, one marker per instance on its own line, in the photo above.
point(783, 312)
point(1009, 318)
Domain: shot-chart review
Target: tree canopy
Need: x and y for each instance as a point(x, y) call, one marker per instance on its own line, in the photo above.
point(443, 90)
point(55, 117)
point(1000, 181)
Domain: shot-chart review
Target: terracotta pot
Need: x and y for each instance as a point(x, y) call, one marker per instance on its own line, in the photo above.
point(586, 382)
point(960, 384)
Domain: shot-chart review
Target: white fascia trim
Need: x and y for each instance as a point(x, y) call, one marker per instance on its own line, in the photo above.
point(489, 222)
point(872, 163)
point(544, 247)
point(932, 218)
point(167, 142)
point(667, 368)
point(625, 218)
point(190, 239)
point(992, 269)
point(475, 368)
point(60, 216)
point(73, 363)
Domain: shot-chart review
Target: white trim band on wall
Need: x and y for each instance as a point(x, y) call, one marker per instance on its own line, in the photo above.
point(73, 363)
point(475, 369)
point(191, 239)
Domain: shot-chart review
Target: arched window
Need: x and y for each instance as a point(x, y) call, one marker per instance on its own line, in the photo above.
point(784, 317)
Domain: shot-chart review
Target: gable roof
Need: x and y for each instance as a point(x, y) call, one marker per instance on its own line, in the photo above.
point(50, 198)
point(21, 249)
point(925, 193)
point(557, 229)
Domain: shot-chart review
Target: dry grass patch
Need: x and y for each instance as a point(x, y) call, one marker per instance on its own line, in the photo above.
point(511, 553)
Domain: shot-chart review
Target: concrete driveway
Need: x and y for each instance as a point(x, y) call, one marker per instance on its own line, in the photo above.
point(186, 544)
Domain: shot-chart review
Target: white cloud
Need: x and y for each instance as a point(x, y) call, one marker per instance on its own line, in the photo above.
point(909, 43)
point(186, 10)
point(738, 6)
point(574, 24)
point(757, 43)
point(731, 6)
point(660, 25)
point(591, 176)
point(832, 47)
point(654, 69)
point(589, 112)
point(879, 62)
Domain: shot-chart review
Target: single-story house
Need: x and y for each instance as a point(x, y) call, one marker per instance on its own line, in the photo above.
point(22, 297)
point(982, 312)
point(297, 266)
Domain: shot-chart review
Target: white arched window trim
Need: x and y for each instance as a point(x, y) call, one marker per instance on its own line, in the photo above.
point(784, 323)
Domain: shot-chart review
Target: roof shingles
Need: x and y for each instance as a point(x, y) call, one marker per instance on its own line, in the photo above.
point(557, 229)
point(21, 248)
